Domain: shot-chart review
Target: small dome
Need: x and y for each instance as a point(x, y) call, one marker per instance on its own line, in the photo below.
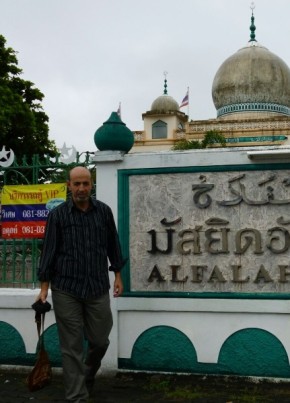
point(252, 79)
point(114, 135)
point(164, 103)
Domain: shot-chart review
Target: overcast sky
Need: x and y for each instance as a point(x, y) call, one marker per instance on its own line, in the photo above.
point(86, 56)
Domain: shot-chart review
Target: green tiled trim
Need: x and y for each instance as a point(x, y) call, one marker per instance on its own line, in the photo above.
point(12, 348)
point(254, 352)
point(248, 352)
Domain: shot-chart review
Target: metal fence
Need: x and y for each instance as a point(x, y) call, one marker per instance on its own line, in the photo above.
point(18, 262)
point(19, 257)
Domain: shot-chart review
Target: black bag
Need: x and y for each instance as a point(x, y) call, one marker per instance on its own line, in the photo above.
point(41, 307)
point(41, 374)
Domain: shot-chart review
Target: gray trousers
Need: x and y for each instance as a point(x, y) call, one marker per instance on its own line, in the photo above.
point(77, 318)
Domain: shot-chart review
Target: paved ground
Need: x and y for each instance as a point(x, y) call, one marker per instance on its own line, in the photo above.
point(148, 388)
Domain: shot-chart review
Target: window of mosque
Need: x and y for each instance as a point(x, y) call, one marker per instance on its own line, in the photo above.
point(159, 130)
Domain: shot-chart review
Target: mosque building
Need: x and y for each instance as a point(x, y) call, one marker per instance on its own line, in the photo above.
point(251, 93)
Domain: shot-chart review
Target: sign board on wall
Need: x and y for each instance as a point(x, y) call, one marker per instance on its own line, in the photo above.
point(25, 208)
point(211, 231)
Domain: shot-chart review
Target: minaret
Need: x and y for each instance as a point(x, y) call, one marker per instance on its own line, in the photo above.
point(162, 122)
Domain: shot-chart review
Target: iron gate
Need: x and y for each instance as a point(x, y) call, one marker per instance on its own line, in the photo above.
point(19, 257)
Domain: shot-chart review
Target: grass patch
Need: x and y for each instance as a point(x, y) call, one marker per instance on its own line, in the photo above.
point(178, 389)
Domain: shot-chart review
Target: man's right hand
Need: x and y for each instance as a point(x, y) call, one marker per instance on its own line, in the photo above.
point(43, 292)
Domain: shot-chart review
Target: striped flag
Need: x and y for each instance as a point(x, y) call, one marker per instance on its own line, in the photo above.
point(185, 100)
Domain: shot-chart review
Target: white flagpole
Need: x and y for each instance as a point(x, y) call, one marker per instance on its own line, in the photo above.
point(119, 110)
point(188, 102)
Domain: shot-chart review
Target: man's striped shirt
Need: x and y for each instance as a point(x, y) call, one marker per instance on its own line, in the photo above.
point(76, 249)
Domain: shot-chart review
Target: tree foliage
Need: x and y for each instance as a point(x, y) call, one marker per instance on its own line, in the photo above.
point(23, 123)
point(212, 138)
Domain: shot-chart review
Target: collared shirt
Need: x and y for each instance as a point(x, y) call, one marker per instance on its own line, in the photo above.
point(76, 249)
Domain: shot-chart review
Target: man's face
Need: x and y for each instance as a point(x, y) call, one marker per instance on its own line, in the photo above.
point(80, 185)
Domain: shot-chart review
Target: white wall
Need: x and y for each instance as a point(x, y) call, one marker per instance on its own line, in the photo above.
point(209, 316)
point(220, 317)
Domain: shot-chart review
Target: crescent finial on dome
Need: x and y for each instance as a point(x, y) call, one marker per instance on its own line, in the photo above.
point(252, 27)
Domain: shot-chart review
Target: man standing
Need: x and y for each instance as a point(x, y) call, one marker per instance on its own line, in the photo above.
point(80, 237)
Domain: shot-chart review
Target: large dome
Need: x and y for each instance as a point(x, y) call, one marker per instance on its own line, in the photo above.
point(251, 80)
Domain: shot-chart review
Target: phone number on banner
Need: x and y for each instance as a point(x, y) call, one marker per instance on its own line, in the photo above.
point(23, 212)
point(35, 213)
point(23, 229)
point(32, 230)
